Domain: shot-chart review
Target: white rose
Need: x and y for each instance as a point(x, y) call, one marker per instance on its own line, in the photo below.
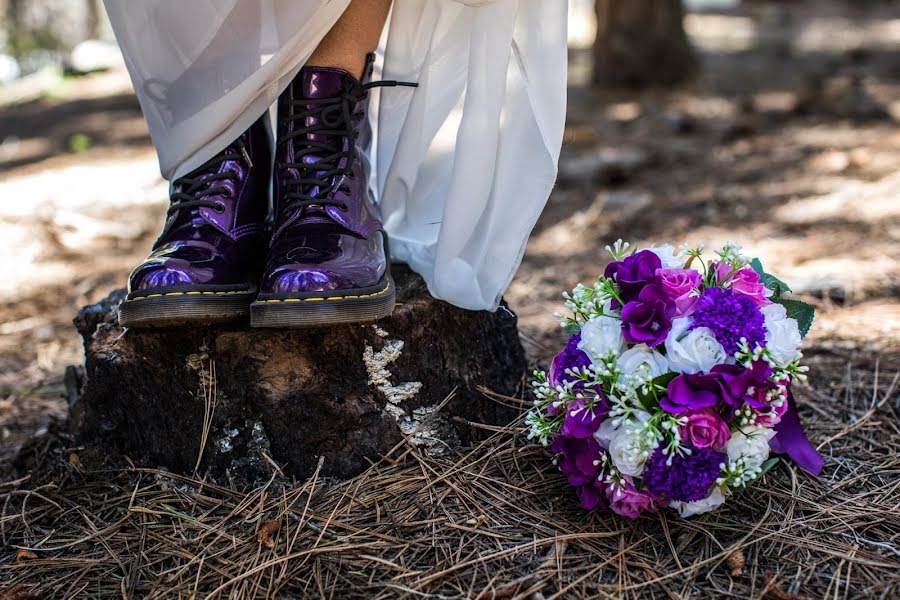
point(606, 432)
point(711, 502)
point(750, 443)
point(782, 334)
point(693, 351)
point(668, 257)
point(643, 362)
point(623, 444)
point(601, 337)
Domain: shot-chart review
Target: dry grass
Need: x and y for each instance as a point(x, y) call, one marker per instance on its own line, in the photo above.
point(493, 522)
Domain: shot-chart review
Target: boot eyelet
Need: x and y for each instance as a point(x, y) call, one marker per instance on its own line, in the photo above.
point(343, 206)
point(220, 207)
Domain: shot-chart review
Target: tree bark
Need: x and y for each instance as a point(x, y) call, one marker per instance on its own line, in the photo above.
point(237, 400)
point(641, 42)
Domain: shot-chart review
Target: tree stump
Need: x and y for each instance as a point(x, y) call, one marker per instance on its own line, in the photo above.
point(236, 400)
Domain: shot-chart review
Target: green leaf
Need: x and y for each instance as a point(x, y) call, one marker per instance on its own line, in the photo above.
point(757, 266)
point(650, 401)
point(665, 379)
point(775, 284)
point(803, 312)
point(770, 281)
point(573, 328)
point(767, 466)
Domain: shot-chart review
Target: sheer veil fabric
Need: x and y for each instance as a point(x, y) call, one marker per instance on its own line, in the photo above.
point(464, 163)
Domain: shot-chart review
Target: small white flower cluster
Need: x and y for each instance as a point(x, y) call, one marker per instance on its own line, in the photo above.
point(747, 450)
point(731, 254)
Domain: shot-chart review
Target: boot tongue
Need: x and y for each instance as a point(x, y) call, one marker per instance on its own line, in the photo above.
point(318, 83)
point(315, 83)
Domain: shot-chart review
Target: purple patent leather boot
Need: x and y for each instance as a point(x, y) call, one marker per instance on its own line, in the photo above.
point(328, 259)
point(206, 263)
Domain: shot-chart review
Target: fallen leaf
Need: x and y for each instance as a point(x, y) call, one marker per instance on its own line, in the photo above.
point(23, 554)
point(268, 533)
point(735, 562)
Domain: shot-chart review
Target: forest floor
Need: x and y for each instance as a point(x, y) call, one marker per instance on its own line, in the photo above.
point(788, 142)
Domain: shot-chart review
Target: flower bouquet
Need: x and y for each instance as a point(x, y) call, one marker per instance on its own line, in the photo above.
point(675, 383)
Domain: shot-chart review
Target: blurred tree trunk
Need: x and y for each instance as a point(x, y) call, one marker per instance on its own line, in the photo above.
point(641, 42)
point(93, 15)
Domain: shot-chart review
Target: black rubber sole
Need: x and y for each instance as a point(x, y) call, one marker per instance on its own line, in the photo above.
point(172, 309)
point(319, 309)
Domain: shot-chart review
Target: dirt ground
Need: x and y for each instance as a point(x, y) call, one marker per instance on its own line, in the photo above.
point(788, 142)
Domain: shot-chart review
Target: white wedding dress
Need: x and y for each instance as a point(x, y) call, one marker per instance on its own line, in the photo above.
point(463, 164)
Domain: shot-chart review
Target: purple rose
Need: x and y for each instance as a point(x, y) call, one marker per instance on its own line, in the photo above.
point(581, 420)
point(649, 318)
point(745, 282)
point(630, 502)
point(695, 391)
point(633, 273)
point(679, 285)
point(746, 385)
point(576, 458)
point(705, 429)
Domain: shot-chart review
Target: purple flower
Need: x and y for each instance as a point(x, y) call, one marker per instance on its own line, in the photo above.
point(581, 420)
point(649, 318)
point(745, 282)
point(679, 285)
point(633, 273)
point(705, 428)
point(730, 317)
point(771, 415)
point(695, 391)
point(630, 502)
point(593, 495)
point(689, 477)
point(570, 358)
point(747, 385)
point(576, 458)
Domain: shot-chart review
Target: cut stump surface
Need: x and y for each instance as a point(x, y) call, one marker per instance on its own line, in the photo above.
point(240, 400)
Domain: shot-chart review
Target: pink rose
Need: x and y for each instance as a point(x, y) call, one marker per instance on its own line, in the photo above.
point(744, 281)
point(705, 429)
point(628, 501)
point(678, 285)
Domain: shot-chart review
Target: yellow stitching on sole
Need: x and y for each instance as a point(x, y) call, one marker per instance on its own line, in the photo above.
point(188, 294)
point(386, 289)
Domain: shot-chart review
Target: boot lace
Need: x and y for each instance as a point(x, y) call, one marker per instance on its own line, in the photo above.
point(198, 188)
point(318, 181)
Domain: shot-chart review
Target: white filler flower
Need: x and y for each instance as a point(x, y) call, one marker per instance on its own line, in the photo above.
point(782, 334)
point(693, 351)
point(711, 502)
point(601, 337)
